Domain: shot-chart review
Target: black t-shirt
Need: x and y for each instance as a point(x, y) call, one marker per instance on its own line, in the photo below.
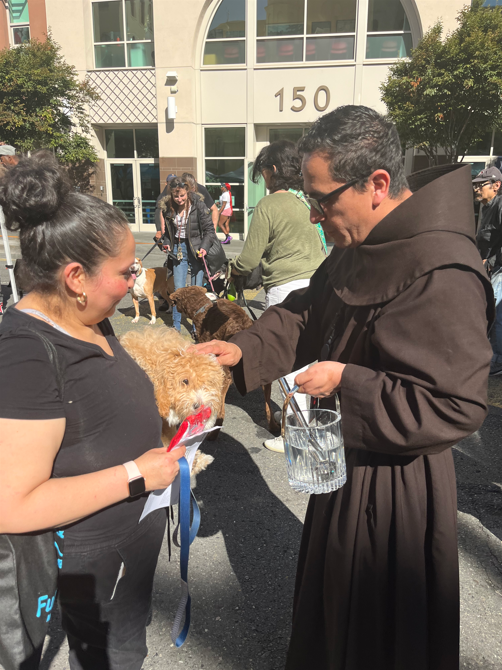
point(206, 195)
point(108, 403)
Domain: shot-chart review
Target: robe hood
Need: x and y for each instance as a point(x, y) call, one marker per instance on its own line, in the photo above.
point(433, 228)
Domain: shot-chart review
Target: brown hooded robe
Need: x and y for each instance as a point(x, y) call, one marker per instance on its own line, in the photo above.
point(377, 583)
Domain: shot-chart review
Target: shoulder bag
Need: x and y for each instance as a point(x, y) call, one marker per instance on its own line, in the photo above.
point(29, 565)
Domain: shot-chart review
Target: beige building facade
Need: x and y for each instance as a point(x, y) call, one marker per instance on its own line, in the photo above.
point(202, 85)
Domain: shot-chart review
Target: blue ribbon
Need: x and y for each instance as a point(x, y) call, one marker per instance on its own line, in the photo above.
point(187, 536)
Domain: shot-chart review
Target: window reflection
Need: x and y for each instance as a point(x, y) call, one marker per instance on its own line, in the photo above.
point(388, 46)
point(222, 142)
point(279, 17)
point(331, 16)
point(386, 15)
point(139, 19)
point(279, 51)
point(330, 48)
point(229, 20)
point(108, 22)
point(224, 53)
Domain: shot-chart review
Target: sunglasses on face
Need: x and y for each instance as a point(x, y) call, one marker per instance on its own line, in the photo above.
point(316, 203)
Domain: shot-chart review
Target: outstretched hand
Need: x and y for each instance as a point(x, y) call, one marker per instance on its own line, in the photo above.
point(321, 380)
point(226, 353)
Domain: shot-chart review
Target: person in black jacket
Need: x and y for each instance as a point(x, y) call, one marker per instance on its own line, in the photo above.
point(487, 191)
point(189, 233)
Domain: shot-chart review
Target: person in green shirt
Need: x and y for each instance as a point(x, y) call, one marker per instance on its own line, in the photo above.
point(281, 236)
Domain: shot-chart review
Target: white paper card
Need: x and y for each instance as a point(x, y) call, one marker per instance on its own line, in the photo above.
point(171, 495)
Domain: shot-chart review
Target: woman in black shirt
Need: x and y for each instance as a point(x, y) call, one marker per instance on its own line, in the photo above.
point(64, 443)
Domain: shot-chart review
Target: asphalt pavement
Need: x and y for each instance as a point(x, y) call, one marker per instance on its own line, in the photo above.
point(242, 565)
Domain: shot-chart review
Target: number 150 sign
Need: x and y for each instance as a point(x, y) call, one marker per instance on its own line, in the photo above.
point(299, 98)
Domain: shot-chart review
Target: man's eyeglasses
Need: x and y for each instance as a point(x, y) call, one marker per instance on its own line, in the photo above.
point(317, 203)
point(482, 185)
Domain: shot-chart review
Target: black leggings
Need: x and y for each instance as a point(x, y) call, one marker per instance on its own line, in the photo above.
point(105, 597)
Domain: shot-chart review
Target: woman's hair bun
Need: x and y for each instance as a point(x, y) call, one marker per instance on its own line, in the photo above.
point(33, 191)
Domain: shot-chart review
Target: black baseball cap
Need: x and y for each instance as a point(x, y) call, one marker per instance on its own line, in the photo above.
point(488, 174)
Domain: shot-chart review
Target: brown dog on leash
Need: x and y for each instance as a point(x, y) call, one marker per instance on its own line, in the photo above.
point(218, 319)
point(147, 282)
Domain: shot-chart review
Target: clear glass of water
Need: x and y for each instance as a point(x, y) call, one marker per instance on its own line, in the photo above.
point(315, 455)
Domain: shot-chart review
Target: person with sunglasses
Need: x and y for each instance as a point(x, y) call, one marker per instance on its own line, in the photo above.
point(395, 321)
point(281, 236)
point(487, 191)
point(190, 233)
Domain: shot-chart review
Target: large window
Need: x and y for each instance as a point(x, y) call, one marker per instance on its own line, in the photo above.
point(311, 30)
point(132, 143)
point(296, 31)
point(225, 151)
point(19, 22)
point(123, 33)
point(225, 44)
point(389, 34)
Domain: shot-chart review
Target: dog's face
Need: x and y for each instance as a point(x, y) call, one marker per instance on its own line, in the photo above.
point(187, 300)
point(183, 380)
point(190, 382)
point(136, 267)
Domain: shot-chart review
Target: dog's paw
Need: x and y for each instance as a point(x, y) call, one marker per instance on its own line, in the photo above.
point(152, 321)
point(135, 320)
point(200, 462)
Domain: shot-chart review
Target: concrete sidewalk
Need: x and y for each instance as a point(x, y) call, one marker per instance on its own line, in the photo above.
point(242, 565)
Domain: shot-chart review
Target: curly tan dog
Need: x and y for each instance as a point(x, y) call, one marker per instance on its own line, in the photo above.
point(218, 321)
point(183, 380)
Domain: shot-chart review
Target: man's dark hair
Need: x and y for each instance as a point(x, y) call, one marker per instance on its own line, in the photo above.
point(357, 141)
point(286, 159)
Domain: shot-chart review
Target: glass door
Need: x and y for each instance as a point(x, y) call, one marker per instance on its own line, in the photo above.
point(123, 189)
point(134, 188)
point(148, 179)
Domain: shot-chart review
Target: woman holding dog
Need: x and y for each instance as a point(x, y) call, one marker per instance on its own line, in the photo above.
point(281, 236)
point(80, 432)
point(190, 231)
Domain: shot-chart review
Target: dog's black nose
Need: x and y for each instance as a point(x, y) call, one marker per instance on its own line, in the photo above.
point(196, 405)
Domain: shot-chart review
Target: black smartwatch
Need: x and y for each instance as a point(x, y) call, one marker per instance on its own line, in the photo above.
point(136, 479)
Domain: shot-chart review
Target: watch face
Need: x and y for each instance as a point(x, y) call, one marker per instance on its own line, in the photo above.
point(136, 487)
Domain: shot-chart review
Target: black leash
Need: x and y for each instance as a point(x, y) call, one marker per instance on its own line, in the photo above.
point(149, 252)
point(241, 295)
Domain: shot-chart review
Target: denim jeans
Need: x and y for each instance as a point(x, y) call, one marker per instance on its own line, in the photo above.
point(180, 271)
point(496, 330)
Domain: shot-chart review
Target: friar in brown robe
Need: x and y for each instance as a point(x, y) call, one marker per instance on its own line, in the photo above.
point(406, 311)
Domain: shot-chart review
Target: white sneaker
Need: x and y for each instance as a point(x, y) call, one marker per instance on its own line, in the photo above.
point(275, 444)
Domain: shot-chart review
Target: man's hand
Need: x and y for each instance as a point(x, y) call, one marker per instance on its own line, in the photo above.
point(321, 380)
point(226, 353)
point(158, 235)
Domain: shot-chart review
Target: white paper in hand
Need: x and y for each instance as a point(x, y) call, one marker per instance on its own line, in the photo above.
point(171, 495)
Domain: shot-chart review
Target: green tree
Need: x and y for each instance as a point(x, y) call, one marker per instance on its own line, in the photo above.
point(43, 105)
point(448, 95)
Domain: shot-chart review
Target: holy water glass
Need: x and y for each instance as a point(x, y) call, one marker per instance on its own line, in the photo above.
point(314, 450)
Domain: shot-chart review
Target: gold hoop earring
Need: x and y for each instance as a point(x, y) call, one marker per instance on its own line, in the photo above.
point(82, 299)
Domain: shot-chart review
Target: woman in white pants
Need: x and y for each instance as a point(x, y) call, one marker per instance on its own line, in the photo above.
point(281, 236)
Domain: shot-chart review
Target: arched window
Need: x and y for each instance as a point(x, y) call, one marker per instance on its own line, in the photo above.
point(225, 43)
point(296, 31)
